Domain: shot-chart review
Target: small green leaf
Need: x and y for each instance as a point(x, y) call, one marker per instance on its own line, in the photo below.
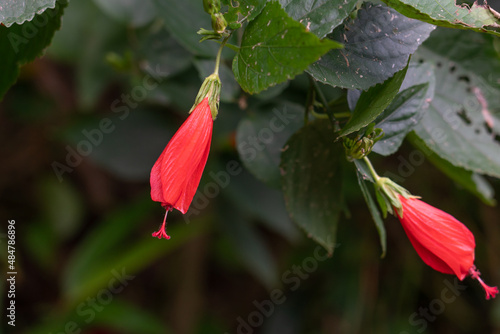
point(20, 11)
point(322, 16)
point(275, 48)
point(372, 206)
point(404, 112)
point(373, 102)
point(20, 44)
point(262, 134)
point(446, 13)
point(471, 181)
point(377, 44)
point(312, 183)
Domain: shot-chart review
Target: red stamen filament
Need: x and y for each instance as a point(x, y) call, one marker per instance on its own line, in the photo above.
point(491, 291)
point(162, 232)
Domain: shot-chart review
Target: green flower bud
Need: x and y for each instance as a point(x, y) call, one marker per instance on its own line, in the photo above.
point(211, 6)
point(219, 23)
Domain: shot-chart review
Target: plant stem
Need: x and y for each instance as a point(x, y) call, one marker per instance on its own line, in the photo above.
point(337, 115)
point(219, 53)
point(318, 115)
point(325, 104)
point(372, 170)
point(311, 97)
point(342, 114)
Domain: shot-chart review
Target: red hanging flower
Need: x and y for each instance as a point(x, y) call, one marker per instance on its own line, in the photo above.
point(177, 172)
point(440, 240)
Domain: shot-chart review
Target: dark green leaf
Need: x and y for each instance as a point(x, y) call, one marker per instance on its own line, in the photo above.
point(134, 12)
point(160, 54)
point(322, 16)
point(475, 52)
point(129, 145)
point(179, 90)
point(446, 13)
point(462, 123)
point(372, 206)
point(373, 102)
point(312, 182)
point(261, 136)
point(21, 44)
point(275, 48)
point(377, 45)
point(471, 181)
point(183, 19)
point(260, 202)
point(399, 118)
point(272, 92)
point(20, 11)
point(93, 73)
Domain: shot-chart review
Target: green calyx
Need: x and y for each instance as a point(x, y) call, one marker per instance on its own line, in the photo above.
point(211, 89)
point(219, 23)
point(388, 192)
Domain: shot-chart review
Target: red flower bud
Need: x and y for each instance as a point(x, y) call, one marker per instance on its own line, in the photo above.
point(441, 240)
point(177, 172)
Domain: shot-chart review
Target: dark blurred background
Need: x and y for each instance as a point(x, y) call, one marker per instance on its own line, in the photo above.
point(85, 257)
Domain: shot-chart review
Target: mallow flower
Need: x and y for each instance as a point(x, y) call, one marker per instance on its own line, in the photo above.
point(177, 173)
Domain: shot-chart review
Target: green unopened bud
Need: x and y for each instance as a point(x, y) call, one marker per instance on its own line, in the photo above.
point(211, 6)
point(209, 88)
point(362, 145)
point(219, 23)
point(357, 149)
